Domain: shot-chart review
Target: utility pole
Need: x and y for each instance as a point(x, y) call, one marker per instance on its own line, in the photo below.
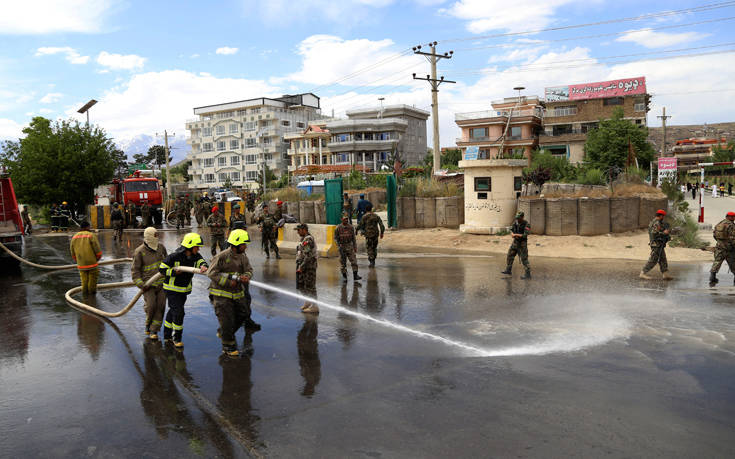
point(168, 169)
point(663, 124)
point(433, 58)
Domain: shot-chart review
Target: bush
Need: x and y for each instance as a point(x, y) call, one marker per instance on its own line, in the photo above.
point(592, 176)
point(355, 181)
point(376, 180)
point(285, 194)
point(560, 168)
point(429, 188)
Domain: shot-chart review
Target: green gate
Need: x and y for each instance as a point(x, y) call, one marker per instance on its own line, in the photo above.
point(333, 200)
point(391, 192)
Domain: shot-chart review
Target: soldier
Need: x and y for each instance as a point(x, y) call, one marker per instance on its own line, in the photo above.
point(145, 214)
point(146, 260)
point(27, 225)
point(229, 290)
point(724, 234)
point(344, 234)
point(131, 214)
point(118, 221)
point(269, 232)
point(216, 223)
point(189, 206)
point(362, 205)
point(198, 212)
point(251, 202)
point(180, 210)
point(347, 206)
point(237, 220)
point(519, 233)
point(86, 252)
point(368, 225)
point(658, 233)
point(206, 208)
point(306, 264)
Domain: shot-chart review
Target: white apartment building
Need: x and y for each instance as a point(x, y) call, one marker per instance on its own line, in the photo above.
point(232, 141)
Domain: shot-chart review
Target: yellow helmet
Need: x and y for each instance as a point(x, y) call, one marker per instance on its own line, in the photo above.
point(192, 240)
point(238, 237)
point(64, 203)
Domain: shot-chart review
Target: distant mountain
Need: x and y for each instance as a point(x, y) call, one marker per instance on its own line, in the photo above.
point(142, 142)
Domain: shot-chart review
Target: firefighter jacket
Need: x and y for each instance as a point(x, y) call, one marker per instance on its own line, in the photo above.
point(180, 283)
point(145, 264)
point(344, 234)
point(228, 266)
point(85, 250)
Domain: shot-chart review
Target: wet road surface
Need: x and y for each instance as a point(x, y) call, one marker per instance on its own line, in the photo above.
point(584, 360)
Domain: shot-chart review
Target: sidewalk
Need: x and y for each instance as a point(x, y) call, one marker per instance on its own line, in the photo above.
point(714, 208)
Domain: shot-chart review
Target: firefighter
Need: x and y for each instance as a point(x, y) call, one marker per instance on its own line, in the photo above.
point(64, 216)
point(86, 252)
point(27, 225)
point(177, 284)
point(146, 260)
point(229, 290)
point(54, 213)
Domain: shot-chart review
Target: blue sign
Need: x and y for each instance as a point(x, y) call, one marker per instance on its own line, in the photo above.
point(470, 153)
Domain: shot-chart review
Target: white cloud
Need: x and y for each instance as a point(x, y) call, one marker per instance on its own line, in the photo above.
point(194, 56)
point(9, 129)
point(486, 15)
point(51, 98)
point(40, 17)
point(45, 111)
point(226, 50)
point(71, 54)
point(152, 101)
point(651, 39)
point(120, 61)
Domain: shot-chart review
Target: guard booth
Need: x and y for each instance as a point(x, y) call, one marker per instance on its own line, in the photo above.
point(333, 200)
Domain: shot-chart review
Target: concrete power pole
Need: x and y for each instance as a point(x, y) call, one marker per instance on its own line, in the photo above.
point(663, 124)
point(168, 169)
point(433, 58)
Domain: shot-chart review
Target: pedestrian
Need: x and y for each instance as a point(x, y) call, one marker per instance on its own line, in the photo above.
point(362, 204)
point(722, 189)
point(347, 206)
point(306, 264)
point(694, 191)
point(216, 223)
point(118, 221)
point(269, 232)
point(729, 189)
point(724, 234)
point(714, 190)
point(177, 284)
point(132, 215)
point(658, 234)
point(237, 220)
point(27, 225)
point(230, 275)
point(86, 252)
point(147, 259)
point(371, 226)
point(344, 234)
point(145, 214)
point(519, 234)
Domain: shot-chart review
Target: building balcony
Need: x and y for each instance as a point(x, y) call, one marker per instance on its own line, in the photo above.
point(545, 139)
point(494, 141)
point(361, 145)
point(489, 114)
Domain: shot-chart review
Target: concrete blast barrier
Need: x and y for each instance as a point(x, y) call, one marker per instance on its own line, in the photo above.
point(594, 216)
point(292, 208)
point(407, 212)
point(306, 212)
point(320, 213)
point(535, 212)
point(288, 239)
point(425, 213)
point(376, 197)
point(447, 212)
point(648, 208)
point(561, 216)
point(624, 214)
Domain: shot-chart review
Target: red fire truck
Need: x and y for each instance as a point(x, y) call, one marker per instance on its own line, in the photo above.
point(141, 186)
point(11, 225)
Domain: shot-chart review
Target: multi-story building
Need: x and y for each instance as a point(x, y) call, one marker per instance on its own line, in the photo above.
point(690, 152)
point(365, 140)
point(232, 141)
point(573, 110)
point(510, 129)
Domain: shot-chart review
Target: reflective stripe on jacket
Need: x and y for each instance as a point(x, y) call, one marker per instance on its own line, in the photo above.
point(146, 262)
point(226, 266)
point(85, 250)
point(179, 282)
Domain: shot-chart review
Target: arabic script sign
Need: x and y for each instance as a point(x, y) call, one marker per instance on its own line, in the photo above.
point(600, 90)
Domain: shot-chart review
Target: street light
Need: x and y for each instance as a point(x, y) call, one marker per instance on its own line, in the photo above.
point(85, 108)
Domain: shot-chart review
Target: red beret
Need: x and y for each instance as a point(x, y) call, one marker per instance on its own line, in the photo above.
point(279, 203)
point(215, 209)
point(660, 212)
point(731, 214)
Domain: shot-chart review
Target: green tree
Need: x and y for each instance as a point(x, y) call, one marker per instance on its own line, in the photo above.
point(60, 161)
point(140, 158)
point(724, 154)
point(607, 145)
point(269, 176)
point(451, 157)
point(121, 163)
point(157, 155)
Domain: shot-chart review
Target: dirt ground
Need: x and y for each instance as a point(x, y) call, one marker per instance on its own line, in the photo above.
point(628, 246)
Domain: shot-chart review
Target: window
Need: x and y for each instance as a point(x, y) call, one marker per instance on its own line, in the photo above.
point(482, 184)
point(251, 176)
point(223, 176)
point(563, 129)
point(249, 143)
point(221, 145)
point(207, 147)
point(566, 110)
point(209, 178)
point(255, 110)
point(250, 159)
point(343, 158)
point(222, 161)
point(233, 128)
point(266, 140)
point(515, 133)
point(207, 132)
point(268, 157)
point(484, 153)
point(249, 126)
point(208, 162)
point(235, 176)
point(478, 133)
point(367, 136)
point(639, 107)
point(285, 123)
point(613, 101)
point(342, 138)
point(220, 130)
point(517, 183)
point(234, 160)
point(300, 125)
point(234, 144)
point(142, 185)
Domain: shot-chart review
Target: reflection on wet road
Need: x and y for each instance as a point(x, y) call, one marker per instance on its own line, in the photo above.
point(586, 360)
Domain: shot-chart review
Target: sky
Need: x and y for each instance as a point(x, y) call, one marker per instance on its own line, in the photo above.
point(148, 63)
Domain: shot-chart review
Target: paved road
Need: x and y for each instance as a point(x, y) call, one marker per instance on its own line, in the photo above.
point(585, 360)
point(714, 208)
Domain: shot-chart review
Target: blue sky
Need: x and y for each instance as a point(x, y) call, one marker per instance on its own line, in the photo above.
point(150, 62)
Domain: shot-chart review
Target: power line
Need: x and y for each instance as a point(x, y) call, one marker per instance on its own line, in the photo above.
point(697, 9)
point(364, 69)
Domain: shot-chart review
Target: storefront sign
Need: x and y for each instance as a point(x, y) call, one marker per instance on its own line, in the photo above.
point(470, 154)
point(667, 168)
point(601, 90)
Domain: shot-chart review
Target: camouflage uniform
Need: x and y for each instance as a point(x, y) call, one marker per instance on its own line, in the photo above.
point(369, 224)
point(657, 242)
point(231, 302)
point(306, 262)
point(206, 210)
point(251, 202)
point(724, 234)
point(217, 223)
point(519, 246)
point(145, 265)
point(131, 214)
point(237, 221)
point(198, 213)
point(269, 232)
point(189, 206)
point(180, 210)
point(145, 215)
point(118, 221)
point(344, 234)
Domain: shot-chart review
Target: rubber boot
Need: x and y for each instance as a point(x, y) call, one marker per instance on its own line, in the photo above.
point(372, 263)
point(344, 276)
point(666, 276)
point(251, 325)
point(527, 275)
point(355, 276)
point(278, 255)
point(645, 276)
point(713, 279)
point(231, 352)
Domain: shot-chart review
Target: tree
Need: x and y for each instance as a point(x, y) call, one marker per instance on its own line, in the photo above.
point(269, 176)
point(724, 154)
point(140, 158)
point(157, 155)
point(121, 163)
point(63, 161)
point(607, 145)
point(451, 157)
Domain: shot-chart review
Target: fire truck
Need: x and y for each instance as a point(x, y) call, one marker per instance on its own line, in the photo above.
point(11, 225)
point(139, 187)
